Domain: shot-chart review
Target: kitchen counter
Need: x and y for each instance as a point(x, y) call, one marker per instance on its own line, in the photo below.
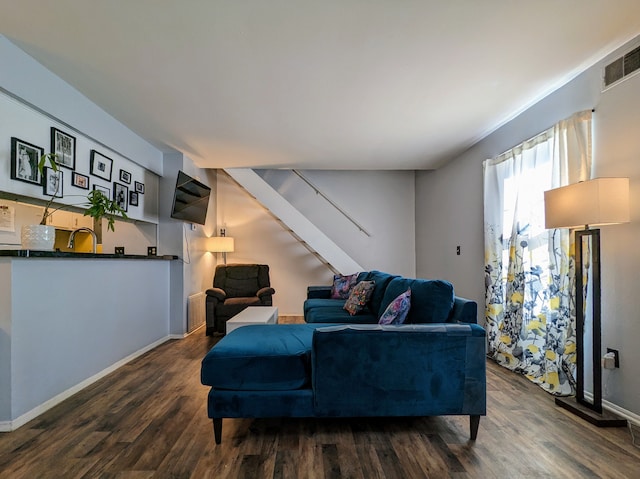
point(68, 319)
point(25, 253)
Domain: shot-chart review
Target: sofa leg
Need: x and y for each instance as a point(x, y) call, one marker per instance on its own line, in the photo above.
point(217, 429)
point(474, 422)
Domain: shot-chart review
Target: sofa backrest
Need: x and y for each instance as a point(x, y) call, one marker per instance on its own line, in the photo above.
point(407, 370)
point(241, 280)
point(431, 299)
point(382, 280)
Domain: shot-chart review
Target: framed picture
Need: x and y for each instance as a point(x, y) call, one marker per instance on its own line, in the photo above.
point(120, 195)
point(125, 177)
point(24, 161)
point(80, 181)
point(101, 165)
point(52, 182)
point(139, 187)
point(64, 145)
point(105, 191)
point(133, 198)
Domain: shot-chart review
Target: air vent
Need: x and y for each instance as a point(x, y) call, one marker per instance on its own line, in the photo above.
point(622, 67)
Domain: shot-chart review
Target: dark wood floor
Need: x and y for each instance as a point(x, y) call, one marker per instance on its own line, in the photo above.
point(148, 419)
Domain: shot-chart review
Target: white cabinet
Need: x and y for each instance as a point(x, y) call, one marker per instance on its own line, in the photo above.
point(67, 220)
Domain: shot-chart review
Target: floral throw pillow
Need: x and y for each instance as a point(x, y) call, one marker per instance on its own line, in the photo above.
point(397, 310)
point(359, 297)
point(342, 285)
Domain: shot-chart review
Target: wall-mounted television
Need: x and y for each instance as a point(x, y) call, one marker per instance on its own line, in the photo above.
point(190, 200)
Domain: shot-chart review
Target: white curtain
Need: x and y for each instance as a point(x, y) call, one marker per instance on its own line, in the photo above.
point(529, 271)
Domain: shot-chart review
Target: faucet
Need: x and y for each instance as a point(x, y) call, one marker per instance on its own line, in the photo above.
point(72, 237)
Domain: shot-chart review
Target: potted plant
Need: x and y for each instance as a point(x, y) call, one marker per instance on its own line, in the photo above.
point(98, 206)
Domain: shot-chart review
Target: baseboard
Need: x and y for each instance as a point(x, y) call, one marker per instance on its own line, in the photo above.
point(199, 328)
point(8, 426)
point(628, 415)
point(614, 408)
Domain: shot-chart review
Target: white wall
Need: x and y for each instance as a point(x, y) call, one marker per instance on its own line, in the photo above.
point(32, 100)
point(23, 122)
point(27, 79)
point(381, 201)
point(449, 212)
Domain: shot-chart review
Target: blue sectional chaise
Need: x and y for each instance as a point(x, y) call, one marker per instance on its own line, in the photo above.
point(326, 368)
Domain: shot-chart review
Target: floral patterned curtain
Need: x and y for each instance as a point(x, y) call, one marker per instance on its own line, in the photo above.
point(530, 271)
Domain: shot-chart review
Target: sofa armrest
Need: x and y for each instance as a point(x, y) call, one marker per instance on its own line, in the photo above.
point(318, 292)
point(264, 292)
point(216, 293)
point(463, 311)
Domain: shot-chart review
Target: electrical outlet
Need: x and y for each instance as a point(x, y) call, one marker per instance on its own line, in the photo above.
point(616, 355)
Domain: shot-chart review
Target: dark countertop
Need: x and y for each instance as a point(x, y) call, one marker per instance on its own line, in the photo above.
point(25, 253)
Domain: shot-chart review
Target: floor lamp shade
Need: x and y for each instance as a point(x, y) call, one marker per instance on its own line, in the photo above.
point(221, 244)
point(601, 201)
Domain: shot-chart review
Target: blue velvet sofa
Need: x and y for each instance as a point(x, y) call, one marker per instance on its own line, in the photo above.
point(320, 369)
point(432, 301)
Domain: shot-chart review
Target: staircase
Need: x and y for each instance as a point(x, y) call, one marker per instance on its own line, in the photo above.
point(295, 222)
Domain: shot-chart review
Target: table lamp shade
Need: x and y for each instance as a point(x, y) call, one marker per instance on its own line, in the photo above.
point(221, 244)
point(601, 201)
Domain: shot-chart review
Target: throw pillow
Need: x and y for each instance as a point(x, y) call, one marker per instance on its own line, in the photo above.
point(397, 310)
point(342, 285)
point(359, 297)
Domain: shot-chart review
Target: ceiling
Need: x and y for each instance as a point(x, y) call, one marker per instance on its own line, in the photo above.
point(327, 84)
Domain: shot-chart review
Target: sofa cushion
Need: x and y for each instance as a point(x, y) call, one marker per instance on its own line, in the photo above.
point(359, 297)
point(314, 303)
point(397, 311)
point(337, 314)
point(260, 358)
point(431, 300)
point(342, 285)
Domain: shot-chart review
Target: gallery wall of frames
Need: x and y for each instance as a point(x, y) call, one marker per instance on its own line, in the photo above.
point(85, 164)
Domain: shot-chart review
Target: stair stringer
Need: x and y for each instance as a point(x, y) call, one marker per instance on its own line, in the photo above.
point(300, 227)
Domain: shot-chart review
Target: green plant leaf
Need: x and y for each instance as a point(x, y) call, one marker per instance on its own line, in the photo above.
point(100, 206)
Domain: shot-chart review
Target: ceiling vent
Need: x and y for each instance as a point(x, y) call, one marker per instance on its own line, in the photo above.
point(622, 67)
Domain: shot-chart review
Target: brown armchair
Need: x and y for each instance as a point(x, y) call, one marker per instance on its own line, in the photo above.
point(236, 286)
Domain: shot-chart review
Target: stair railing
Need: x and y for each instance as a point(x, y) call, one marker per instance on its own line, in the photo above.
point(331, 202)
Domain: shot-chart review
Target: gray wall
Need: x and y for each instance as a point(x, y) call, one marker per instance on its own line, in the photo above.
point(193, 272)
point(381, 201)
point(449, 211)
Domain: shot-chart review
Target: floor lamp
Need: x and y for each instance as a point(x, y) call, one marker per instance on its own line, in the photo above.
point(221, 244)
point(597, 202)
